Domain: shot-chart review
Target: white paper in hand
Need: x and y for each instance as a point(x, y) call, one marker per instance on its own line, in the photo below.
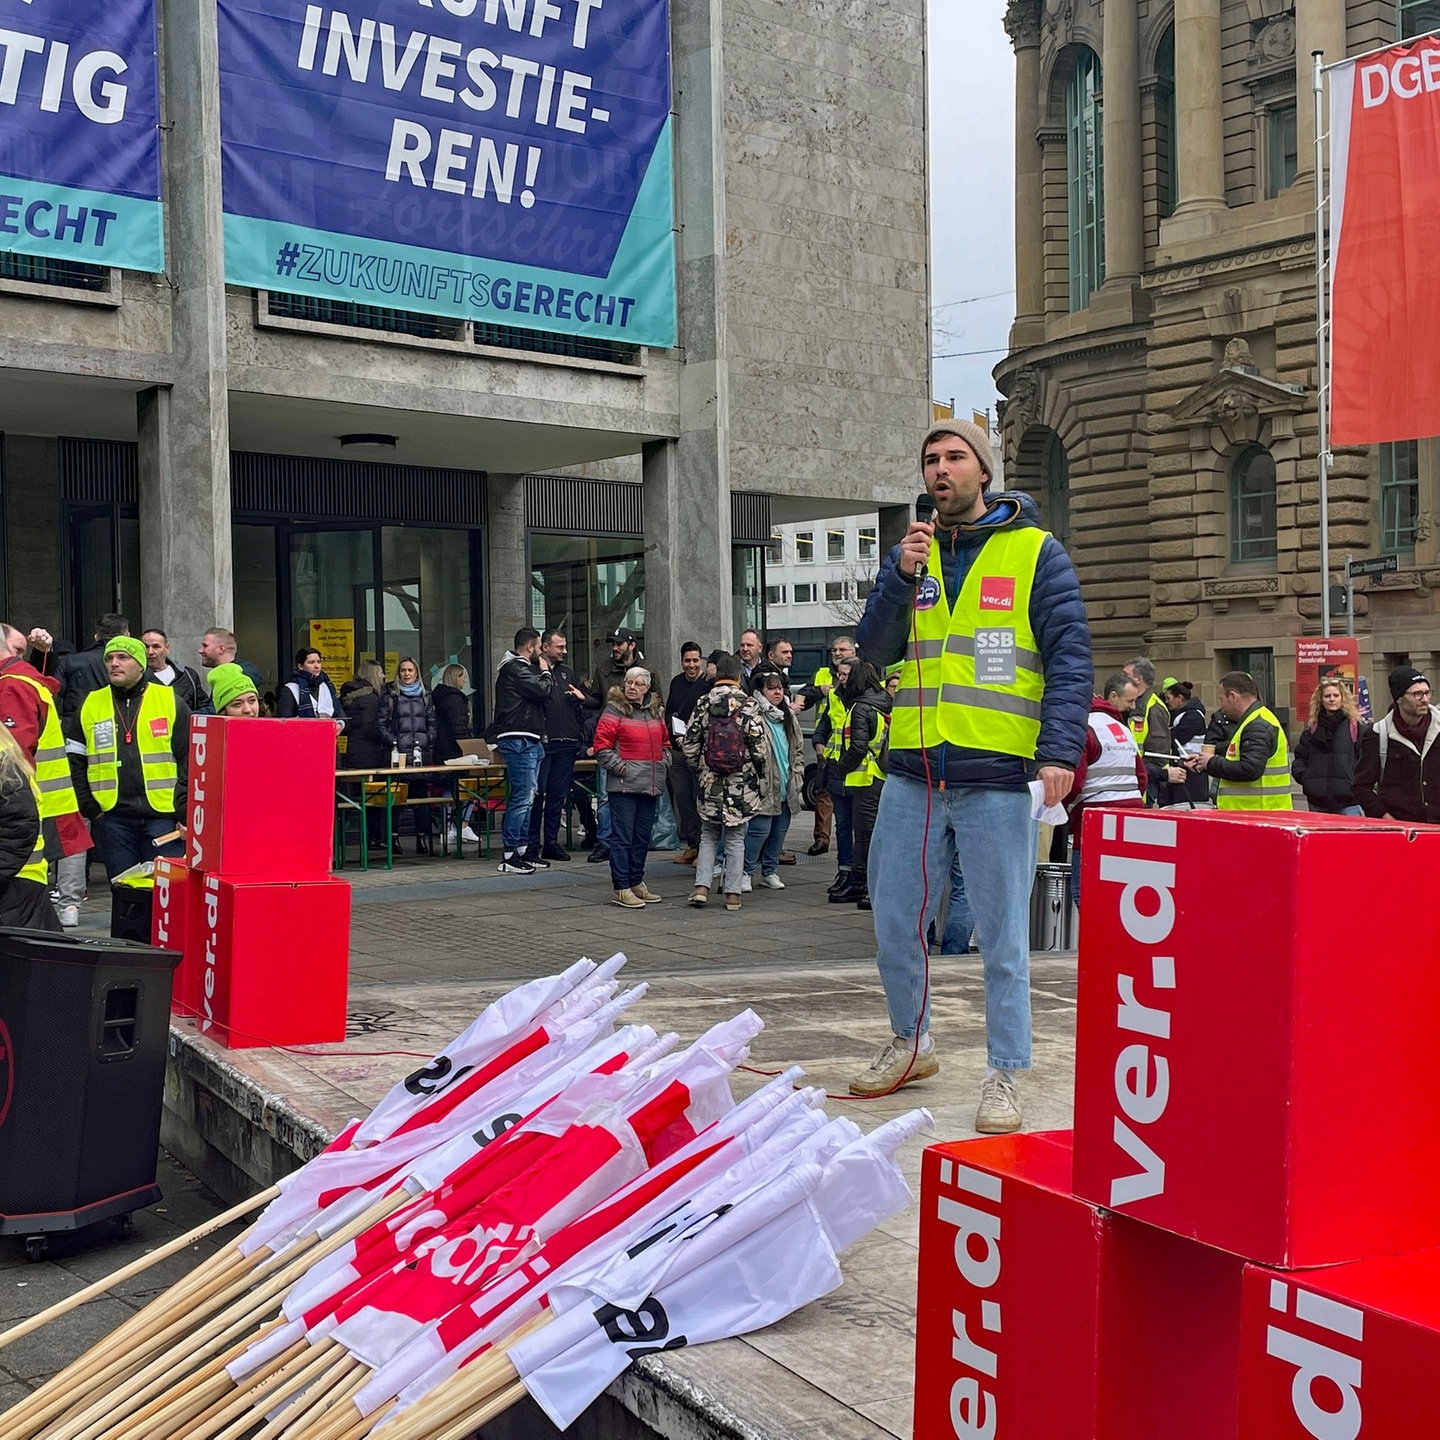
point(1039, 810)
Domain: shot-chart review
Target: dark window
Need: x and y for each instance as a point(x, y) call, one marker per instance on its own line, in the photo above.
point(1057, 490)
point(1417, 17)
point(1252, 505)
point(362, 317)
point(1399, 495)
point(1166, 149)
point(1281, 149)
point(66, 274)
point(1085, 162)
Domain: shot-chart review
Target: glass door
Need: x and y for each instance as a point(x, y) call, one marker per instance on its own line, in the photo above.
point(332, 580)
point(104, 562)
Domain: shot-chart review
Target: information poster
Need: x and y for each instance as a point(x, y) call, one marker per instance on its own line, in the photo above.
point(504, 161)
point(335, 640)
point(1318, 659)
point(80, 132)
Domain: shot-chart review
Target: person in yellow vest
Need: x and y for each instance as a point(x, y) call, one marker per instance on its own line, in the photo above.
point(984, 609)
point(30, 712)
point(1150, 725)
point(818, 693)
point(867, 713)
point(24, 889)
point(1254, 771)
point(128, 748)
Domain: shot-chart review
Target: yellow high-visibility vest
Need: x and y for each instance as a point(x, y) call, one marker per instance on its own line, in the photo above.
point(37, 868)
point(972, 675)
point(1140, 724)
point(868, 771)
point(52, 765)
point(1272, 790)
point(152, 737)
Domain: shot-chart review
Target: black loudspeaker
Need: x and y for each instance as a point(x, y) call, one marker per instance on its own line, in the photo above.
point(84, 1027)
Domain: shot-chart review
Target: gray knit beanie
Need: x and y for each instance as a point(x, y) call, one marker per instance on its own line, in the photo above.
point(970, 433)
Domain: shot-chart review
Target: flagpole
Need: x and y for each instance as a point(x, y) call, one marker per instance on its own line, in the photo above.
point(1322, 332)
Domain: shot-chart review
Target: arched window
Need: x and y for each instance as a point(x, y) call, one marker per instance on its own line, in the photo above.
point(1085, 162)
point(1252, 505)
point(1055, 477)
point(1166, 146)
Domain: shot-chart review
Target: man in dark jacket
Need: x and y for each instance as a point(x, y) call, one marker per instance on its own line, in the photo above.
point(1254, 771)
point(685, 689)
point(564, 716)
point(186, 683)
point(1398, 774)
point(522, 696)
point(84, 671)
point(994, 694)
point(129, 749)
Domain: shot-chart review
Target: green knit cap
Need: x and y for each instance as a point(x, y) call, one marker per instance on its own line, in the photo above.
point(135, 649)
point(227, 683)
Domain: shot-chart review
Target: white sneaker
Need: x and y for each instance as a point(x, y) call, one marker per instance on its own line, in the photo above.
point(999, 1110)
point(897, 1064)
point(69, 916)
point(745, 886)
point(466, 834)
point(772, 882)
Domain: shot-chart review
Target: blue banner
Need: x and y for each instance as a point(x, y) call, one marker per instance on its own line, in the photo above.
point(79, 132)
point(505, 161)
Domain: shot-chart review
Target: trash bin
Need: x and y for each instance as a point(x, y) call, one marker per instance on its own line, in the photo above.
point(84, 1025)
point(131, 908)
point(1048, 902)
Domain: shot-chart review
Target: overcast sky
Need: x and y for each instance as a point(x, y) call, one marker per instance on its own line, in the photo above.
point(972, 196)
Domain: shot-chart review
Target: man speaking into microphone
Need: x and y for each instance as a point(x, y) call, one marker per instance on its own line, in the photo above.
point(983, 608)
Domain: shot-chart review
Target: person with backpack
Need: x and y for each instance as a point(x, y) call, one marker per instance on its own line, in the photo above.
point(725, 745)
point(1328, 749)
point(1398, 774)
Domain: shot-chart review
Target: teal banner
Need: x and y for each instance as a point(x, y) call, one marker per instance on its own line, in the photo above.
point(80, 132)
point(503, 163)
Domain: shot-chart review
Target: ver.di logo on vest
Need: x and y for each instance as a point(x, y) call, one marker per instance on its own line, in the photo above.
point(997, 592)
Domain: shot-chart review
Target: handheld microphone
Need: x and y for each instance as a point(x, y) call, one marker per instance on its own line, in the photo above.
point(925, 514)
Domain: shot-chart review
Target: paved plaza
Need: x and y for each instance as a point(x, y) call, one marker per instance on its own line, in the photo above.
point(434, 940)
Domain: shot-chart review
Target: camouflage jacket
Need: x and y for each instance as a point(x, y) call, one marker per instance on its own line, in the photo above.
point(727, 799)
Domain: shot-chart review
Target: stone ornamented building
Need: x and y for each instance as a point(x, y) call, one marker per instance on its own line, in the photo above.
point(1161, 380)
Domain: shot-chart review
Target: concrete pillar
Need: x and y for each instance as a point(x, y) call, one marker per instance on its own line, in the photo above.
point(1120, 81)
point(507, 573)
point(687, 549)
point(1319, 25)
point(1023, 23)
point(1199, 140)
point(184, 431)
point(687, 481)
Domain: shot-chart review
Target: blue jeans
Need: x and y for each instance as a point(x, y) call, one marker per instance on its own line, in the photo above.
point(764, 840)
point(958, 923)
point(522, 774)
point(632, 818)
point(602, 807)
point(124, 841)
point(994, 838)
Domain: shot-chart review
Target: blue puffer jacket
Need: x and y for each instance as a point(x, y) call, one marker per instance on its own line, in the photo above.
point(1057, 616)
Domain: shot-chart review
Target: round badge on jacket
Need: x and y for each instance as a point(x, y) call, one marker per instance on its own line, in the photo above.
point(927, 593)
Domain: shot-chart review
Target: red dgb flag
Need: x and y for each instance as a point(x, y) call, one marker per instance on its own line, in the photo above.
point(1384, 238)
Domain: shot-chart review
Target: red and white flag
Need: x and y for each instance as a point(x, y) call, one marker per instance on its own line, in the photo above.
point(1384, 236)
point(585, 1245)
point(747, 1269)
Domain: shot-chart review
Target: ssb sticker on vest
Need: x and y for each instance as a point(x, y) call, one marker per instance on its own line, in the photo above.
point(995, 656)
point(927, 593)
point(997, 592)
point(104, 734)
point(160, 727)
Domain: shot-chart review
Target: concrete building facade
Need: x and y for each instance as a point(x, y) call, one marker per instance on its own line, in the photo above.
point(1161, 381)
point(193, 453)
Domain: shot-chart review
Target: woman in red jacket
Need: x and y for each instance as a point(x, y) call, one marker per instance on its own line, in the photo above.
point(630, 746)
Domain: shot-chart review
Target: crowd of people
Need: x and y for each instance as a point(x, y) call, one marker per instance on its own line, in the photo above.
point(962, 709)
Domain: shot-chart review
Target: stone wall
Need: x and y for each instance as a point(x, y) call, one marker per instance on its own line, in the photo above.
point(826, 241)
